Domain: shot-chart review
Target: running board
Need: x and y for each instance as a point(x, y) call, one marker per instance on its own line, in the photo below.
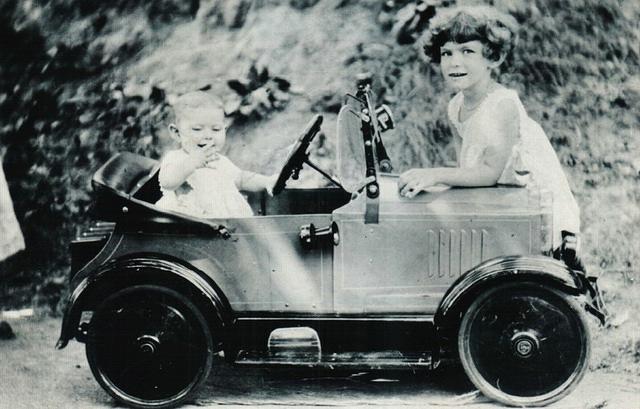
point(356, 360)
point(301, 346)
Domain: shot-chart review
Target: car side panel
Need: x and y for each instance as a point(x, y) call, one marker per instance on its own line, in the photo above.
point(419, 247)
point(260, 267)
point(406, 264)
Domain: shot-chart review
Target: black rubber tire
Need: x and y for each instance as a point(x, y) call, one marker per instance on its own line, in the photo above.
point(524, 344)
point(149, 346)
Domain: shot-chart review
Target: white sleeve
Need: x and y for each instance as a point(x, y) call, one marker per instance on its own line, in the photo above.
point(169, 158)
point(231, 170)
point(494, 128)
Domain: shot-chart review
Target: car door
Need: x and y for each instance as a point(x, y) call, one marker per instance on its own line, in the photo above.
point(383, 267)
point(406, 261)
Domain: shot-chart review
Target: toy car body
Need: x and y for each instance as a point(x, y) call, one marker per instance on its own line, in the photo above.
point(333, 276)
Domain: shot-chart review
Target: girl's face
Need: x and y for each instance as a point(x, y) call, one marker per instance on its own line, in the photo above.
point(200, 127)
point(464, 66)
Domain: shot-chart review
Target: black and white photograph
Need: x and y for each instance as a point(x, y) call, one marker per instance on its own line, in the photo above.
point(319, 203)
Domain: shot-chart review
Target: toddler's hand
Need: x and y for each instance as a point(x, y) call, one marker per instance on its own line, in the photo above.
point(202, 155)
point(415, 181)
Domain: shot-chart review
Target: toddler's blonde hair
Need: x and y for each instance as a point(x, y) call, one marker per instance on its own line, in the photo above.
point(194, 100)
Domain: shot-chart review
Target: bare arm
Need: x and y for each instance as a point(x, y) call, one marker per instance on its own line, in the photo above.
point(173, 174)
point(255, 182)
point(486, 173)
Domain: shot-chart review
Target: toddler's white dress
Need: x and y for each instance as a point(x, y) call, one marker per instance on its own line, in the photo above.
point(11, 239)
point(533, 160)
point(209, 192)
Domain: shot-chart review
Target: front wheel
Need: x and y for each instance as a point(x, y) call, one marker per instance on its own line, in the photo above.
point(524, 344)
point(149, 346)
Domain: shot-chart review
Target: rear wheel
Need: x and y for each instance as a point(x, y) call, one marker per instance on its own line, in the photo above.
point(149, 346)
point(524, 344)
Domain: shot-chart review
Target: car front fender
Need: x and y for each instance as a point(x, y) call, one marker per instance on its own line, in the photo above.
point(144, 268)
point(530, 268)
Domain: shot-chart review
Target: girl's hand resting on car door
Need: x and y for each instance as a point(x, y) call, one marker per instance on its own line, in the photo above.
point(415, 181)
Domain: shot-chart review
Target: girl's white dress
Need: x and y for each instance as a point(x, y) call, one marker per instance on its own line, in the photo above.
point(209, 192)
point(533, 160)
point(11, 239)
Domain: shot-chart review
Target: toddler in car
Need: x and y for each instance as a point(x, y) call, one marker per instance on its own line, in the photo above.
point(197, 179)
point(496, 140)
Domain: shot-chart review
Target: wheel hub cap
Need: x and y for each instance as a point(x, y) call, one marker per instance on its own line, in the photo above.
point(525, 344)
point(148, 344)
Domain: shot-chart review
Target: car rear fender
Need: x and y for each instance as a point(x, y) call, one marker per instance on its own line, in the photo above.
point(465, 289)
point(136, 269)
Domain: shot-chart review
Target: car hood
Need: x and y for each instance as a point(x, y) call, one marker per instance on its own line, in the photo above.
point(441, 201)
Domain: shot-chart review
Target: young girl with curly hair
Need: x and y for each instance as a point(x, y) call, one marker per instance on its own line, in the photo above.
point(496, 141)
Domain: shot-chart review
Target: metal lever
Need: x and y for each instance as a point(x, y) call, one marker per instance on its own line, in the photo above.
point(312, 237)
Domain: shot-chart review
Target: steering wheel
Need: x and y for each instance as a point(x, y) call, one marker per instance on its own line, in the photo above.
point(299, 153)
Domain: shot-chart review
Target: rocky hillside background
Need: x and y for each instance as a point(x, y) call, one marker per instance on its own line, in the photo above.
point(81, 80)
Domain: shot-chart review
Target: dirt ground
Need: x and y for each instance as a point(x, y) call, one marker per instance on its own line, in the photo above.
point(34, 375)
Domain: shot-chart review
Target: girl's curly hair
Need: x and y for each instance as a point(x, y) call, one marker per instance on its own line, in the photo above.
point(496, 30)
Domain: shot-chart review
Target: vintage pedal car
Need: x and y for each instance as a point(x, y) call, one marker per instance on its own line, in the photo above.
point(350, 275)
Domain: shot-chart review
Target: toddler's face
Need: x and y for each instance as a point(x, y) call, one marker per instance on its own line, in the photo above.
point(463, 64)
point(200, 127)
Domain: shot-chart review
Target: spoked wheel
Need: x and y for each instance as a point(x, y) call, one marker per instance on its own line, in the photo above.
point(149, 346)
point(524, 344)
